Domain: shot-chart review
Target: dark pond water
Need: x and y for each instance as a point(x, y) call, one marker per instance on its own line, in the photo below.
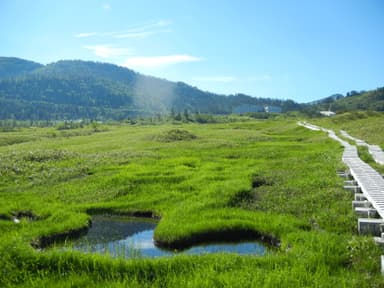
point(133, 237)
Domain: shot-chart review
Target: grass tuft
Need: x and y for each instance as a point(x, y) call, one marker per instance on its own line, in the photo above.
point(176, 135)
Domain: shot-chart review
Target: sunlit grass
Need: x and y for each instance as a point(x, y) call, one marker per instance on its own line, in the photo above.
point(270, 177)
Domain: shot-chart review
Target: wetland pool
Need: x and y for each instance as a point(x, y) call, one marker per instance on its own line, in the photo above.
point(133, 238)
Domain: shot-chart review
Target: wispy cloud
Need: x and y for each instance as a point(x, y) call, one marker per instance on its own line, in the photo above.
point(157, 61)
point(222, 79)
point(136, 34)
point(150, 25)
point(108, 51)
point(142, 31)
point(135, 31)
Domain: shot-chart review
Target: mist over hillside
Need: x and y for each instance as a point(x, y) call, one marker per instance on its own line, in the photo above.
point(75, 89)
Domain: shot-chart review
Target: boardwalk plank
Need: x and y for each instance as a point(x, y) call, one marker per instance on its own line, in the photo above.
point(369, 180)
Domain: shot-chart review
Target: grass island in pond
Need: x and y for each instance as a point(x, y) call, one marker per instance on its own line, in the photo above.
point(268, 177)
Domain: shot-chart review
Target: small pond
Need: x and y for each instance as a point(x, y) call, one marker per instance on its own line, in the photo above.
point(133, 237)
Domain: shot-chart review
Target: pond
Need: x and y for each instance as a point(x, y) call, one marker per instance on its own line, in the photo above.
point(133, 237)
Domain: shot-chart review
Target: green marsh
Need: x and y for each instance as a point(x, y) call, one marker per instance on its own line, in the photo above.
point(262, 178)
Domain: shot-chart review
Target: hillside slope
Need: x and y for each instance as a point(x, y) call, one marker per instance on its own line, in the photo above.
point(10, 66)
point(370, 100)
point(366, 100)
point(79, 89)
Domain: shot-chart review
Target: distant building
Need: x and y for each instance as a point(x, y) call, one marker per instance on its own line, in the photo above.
point(248, 108)
point(272, 109)
point(327, 113)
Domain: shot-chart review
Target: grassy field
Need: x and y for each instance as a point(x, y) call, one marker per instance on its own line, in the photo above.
point(270, 178)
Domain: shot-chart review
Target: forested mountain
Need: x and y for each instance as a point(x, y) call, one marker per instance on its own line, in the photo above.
point(80, 89)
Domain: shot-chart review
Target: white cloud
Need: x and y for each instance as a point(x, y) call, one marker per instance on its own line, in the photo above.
point(107, 51)
point(85, 35)
point(157, 61)
point(222, 79)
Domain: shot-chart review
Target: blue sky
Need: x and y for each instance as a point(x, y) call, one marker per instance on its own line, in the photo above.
point(287, 49)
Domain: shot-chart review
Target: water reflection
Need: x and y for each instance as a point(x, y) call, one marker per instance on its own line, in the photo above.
point(133, 237)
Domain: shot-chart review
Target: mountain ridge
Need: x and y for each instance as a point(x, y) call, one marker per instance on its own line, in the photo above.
point(73, 89)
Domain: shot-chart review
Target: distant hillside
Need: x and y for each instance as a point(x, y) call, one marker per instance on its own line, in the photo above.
point(364, 100)
point(80, 89)
point(371, 100)
point(327, 100)
point(14, 66)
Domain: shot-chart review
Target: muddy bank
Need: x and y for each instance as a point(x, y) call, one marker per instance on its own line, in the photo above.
point(113, 212)
point(5, 217)
point(45, 241)
point(233, 235)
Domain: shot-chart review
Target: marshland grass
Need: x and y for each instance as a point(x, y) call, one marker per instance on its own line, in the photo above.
point(271, 178)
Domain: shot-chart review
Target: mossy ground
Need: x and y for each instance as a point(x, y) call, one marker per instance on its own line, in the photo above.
point(272, 177)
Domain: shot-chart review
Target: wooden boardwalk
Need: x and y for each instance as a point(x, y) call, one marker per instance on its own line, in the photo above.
point(368, 179)
point(374, 150)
